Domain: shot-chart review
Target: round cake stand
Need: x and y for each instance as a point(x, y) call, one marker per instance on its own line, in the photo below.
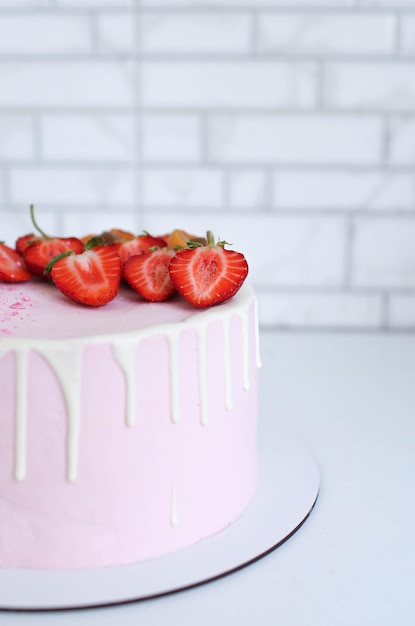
point(287, 491)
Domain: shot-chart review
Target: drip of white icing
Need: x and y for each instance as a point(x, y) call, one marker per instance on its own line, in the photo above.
point(173, 341)
point(245, 346)
point(202, 367)
point(21, 414)
point(67, 365)
point(256, 326)
point(227, 363)
point(124, 353)
point(174, 517)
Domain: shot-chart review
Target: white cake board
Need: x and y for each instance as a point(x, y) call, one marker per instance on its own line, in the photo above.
point(287, 492)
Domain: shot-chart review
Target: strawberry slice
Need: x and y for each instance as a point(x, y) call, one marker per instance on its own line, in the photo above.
point(138, 245)
point(12, 266)
point(208, 275)
point(23, 242)
point(37, 255)
point(42, 251)
point(92, 277)
point(148, 274)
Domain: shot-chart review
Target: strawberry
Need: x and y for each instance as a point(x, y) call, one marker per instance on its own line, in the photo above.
point(148, 274)
point(41, 252)
point(92, 277)
point(138, 245)
point(12, 266)
point(208, 275)
point(38, 254)
point(23, 242)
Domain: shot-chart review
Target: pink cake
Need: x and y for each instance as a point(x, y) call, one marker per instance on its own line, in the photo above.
point(126, 431)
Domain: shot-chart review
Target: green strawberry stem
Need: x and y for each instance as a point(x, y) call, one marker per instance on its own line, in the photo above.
point(211, 241)
point(93, 243)
point(210, 238)
point(52, 262)
point(35, 224)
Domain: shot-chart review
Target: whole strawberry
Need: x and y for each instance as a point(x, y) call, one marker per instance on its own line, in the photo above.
point(208, 275)
point(91, 278)
point(39, 252)
point(12, 266)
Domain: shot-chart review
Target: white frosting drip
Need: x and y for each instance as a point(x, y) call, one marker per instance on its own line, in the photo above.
point(227, 364)
point(65, 359)
point(21, 414)
point(67, 365)
point(256, 326)
point(174, 516)
point(245, 345)
point(124, 353)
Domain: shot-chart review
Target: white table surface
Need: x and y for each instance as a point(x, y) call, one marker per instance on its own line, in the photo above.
point(351, 397)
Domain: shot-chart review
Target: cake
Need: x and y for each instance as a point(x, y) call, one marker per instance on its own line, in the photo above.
point(127, 431)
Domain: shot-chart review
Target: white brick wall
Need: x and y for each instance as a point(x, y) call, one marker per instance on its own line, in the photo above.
point(338, 34)
point(317, 139)
point(196, 33)
point(287, 127)
point(87, 137)
point(228, 85)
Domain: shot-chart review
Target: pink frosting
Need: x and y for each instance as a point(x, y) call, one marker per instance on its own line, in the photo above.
point(140, 490)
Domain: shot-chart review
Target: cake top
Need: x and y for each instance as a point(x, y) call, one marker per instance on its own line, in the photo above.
point(38, 309)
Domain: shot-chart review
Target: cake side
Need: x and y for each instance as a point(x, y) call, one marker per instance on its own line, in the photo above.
point(122, 447)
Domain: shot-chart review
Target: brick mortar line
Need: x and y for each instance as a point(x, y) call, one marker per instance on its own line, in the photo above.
point(254, 34)
point(37, 138)
point(138, 121)
point(386, 141)
point(397, 42)
point(349, 252)
point(203, 136)
point(294, 168)
point(277, 58)
point(166, 210)
point(267, 112)
point(269, 191)
point(385, 311)
point(94, 34)
point(331, 328)
point(321, 80)
point(311, 291)
point(217, 211)
point(54, 9)
point(359, 10)
point(5, 184)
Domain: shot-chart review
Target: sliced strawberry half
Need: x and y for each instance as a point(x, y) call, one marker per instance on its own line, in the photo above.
point(92, 277)
point(12, 266)
point(37, 255)
point(138, 245)
point(208, 275)
point(23, 242)
point(148, 274)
